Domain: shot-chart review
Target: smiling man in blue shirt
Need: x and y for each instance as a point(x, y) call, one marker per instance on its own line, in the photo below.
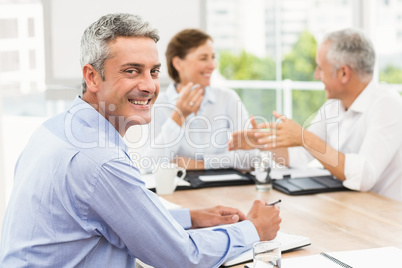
point(78, 201)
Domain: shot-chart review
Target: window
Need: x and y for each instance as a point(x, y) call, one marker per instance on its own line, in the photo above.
point(388, 42)
point(276, 41)
point(22, 83)
point(21, 49)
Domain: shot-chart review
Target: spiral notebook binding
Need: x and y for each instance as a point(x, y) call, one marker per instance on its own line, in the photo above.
point(335, 260)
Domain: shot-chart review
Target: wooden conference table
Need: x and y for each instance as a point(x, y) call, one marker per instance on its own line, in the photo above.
point(335, 221)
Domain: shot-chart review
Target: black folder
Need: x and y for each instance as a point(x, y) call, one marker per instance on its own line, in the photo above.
point(192, 176)
point(309, 185)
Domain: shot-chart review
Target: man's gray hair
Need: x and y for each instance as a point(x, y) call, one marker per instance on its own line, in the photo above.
point(351, 47)
point(95, 40)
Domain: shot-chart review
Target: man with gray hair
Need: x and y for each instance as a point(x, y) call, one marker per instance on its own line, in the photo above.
point(77, 199)
point(356, 134)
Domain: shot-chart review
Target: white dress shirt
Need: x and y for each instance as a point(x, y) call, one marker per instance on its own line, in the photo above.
point(369, 133)
point(203, 136)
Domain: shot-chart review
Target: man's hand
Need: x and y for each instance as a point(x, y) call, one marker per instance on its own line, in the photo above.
point(270, 135)
point(246, 139)
point(215, 216)
point(286, 133)
point(265, 219)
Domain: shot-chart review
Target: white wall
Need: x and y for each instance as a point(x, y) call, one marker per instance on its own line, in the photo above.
point(3, 199)
point(65, 21)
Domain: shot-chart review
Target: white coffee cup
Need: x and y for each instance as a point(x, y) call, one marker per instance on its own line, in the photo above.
point(166, 178)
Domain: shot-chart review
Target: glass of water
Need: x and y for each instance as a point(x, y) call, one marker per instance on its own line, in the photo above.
point(267, 254)
point(262, 168)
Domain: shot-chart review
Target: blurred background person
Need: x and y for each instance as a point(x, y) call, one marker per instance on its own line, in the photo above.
point(356, 134)
point(193, 121)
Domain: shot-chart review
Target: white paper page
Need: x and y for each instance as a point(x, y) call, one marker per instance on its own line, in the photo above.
point(225, 177)
point(309, 262)
point(390, 257)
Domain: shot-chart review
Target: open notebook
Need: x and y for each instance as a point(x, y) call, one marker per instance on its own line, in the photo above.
point(288, 242)
point(389, 257)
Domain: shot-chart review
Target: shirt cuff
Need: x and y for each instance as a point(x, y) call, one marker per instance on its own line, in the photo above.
point(249, 232)
point(182, 216)
point(246, 228)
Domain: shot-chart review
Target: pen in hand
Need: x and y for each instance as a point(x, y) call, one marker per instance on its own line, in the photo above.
point(274, 203)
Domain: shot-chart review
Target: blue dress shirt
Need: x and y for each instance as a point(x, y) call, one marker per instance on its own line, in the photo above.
point(78, 201)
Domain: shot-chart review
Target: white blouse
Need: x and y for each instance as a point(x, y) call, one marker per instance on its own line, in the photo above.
point(203, 136)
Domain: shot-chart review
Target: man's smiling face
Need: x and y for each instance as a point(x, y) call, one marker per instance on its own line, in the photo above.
point(131, 83)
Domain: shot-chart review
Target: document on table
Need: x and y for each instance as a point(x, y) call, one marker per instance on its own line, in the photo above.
point(224, 177)
point(390, 257)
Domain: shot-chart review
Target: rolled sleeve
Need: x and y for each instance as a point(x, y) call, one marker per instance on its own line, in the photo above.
point(353, 172)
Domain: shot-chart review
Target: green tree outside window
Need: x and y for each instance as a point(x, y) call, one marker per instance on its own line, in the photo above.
point(297, 65)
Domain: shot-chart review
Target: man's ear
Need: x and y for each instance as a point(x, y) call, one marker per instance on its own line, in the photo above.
point(91, 77)
point(344, 74)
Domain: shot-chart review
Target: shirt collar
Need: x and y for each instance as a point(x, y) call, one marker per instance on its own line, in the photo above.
point(362, 101)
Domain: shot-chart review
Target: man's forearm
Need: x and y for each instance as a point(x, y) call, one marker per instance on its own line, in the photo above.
point(331, 159)
point(281, 156)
